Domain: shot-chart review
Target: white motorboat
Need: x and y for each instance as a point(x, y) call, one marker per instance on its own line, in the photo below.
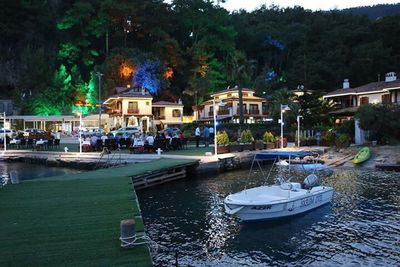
point(280, 200)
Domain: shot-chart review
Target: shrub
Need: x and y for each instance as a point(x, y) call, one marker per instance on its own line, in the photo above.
point(246, 136)
point(268, 137)
point(344, 139)
point(222, 138)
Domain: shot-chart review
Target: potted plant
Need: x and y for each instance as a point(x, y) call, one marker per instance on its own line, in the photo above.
point(269, 139)
point(246, 140)
point(222, 142)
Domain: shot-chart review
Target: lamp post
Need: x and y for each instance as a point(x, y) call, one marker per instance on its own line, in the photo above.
point(298, 130)
point(4, 133)
point(80, 131)
point(215, 123)
point(283, 109)
point(99, 74)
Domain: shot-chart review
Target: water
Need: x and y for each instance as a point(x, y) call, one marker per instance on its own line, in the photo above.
point(361, 226)
point(28, 171)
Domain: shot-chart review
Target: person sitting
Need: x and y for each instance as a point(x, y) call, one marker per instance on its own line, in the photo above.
point(137, 145)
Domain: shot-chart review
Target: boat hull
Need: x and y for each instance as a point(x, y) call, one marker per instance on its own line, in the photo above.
point(273, 211)
point(362, 155)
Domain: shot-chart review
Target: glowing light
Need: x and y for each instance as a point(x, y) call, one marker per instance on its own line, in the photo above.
point(168, 73)
point(126, 70)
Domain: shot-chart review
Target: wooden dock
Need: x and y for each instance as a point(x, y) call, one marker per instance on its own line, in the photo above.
point(164, 175)
point(73, 220)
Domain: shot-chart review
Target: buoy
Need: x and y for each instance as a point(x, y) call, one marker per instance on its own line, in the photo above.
point(128, 233)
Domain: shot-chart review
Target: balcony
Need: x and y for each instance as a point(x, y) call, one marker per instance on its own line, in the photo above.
point(114, 111)
point(254, 112)
point(223, 112)
point(210, 114)
point(133, 111)
point(159, 117)
point(238, 111)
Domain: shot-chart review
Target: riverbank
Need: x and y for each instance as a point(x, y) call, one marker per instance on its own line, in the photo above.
point(379, 154)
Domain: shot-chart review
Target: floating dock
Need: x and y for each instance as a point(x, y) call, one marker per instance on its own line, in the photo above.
point(73, 220)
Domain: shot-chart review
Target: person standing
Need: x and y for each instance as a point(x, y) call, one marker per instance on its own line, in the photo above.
point(211, 129)
point(206, 136)
point(197, 135)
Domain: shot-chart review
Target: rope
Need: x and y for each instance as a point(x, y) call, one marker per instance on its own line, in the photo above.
point(138, 240)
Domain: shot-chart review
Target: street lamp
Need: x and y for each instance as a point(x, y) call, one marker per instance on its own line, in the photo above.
point(298, 130)
point(99, 74)
point(215, 106)
point(283, 109)
point(4, 133)
point(80, 131)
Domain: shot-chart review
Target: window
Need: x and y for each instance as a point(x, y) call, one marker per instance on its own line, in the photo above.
point(364, 100)
point(176, 113)
point(386, 99)
point(245, 94)
point(2, 107)
point(254, 109)
point(147, 103)
point(229, 95)
point(132, 105)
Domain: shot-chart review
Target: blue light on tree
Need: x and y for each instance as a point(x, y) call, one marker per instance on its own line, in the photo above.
point(273, 42)
point(147, 75)
point(270, 75)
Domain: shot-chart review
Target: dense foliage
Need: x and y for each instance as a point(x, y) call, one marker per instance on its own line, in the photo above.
point(188, 49)
point(382, 122)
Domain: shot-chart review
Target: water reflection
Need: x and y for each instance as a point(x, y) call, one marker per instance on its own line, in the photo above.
point(360, 227)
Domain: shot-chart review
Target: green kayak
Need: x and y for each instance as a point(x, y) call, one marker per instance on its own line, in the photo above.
point(362, 155)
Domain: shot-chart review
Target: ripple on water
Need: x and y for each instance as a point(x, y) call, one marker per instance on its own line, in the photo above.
point(361, 226)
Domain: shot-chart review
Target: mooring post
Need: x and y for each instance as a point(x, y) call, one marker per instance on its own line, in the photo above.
point(128, 233)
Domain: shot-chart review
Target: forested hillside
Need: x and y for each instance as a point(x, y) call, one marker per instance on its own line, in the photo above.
point(52, 50)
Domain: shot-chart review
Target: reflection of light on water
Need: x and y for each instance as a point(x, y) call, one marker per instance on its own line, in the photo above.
point(218, 231)
point(360, 227)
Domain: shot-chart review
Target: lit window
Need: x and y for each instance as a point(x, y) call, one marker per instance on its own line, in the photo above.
point(176, 113)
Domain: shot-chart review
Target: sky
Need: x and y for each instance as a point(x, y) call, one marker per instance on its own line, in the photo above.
point(250, 5)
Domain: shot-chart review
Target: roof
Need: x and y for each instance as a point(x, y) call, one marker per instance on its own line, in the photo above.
point(235, 89)
point(375, 87)
point(166, 103)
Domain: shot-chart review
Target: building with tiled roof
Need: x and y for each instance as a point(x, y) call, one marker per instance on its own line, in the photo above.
point(347, 99)
point(135, 107)
point(254, 107)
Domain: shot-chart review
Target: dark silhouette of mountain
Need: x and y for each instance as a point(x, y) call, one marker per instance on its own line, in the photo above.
point(376, 11)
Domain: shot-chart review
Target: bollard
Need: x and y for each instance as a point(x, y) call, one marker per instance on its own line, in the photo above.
point(14, 177)
point(128, 234)
point(159, 151)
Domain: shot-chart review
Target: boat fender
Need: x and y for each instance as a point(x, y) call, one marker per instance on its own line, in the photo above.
point(310, 181)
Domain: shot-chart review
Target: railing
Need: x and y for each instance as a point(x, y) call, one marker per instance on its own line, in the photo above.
point(254, 112)
point(133, 110)
point(211, 113)
point(223, 112)
point(238, 111)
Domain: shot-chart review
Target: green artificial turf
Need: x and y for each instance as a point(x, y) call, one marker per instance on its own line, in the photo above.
point(68, 223)
point(128, 170)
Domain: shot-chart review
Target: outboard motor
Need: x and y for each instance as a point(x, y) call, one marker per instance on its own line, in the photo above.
point(310, 181)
